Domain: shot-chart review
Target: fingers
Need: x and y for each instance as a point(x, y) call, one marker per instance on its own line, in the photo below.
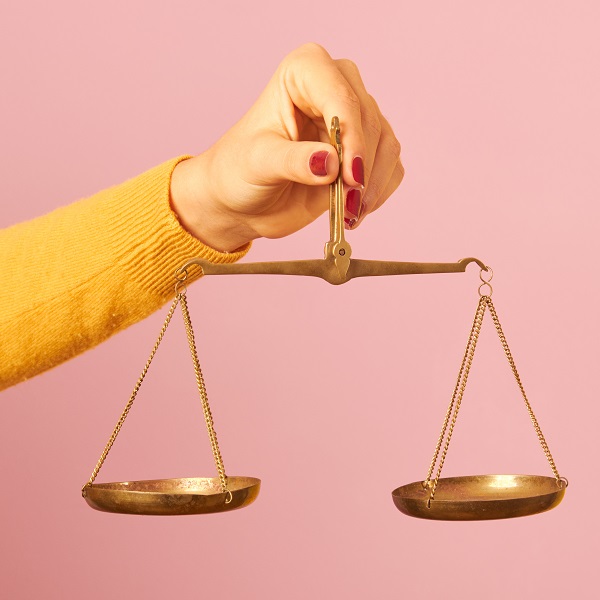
point(391, 186)
point(320, 90)
point(383, 170)
point(362, 166)
point(309, 163)
point(387, 172)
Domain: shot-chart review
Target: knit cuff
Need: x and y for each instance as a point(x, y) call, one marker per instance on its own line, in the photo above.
point(157, 244)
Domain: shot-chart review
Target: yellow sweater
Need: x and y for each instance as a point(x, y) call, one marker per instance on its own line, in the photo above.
point(74, 277)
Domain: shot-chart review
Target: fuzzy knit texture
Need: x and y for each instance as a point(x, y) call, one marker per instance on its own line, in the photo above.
point(81, 273)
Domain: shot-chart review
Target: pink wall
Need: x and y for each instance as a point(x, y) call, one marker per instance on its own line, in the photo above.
point(496, 104)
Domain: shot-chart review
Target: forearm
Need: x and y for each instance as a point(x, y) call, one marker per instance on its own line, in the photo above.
point(76, 276)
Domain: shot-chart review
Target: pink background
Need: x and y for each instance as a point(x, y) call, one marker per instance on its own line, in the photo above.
point(332, 395)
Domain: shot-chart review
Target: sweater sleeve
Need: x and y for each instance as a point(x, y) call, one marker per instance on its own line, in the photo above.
point(74, 277)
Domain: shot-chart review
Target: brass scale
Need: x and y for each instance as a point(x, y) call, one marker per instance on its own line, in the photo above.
point(475, 497)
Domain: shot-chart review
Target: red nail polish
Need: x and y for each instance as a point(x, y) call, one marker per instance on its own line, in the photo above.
point(318, 163)
point(350, 222)
point(353, 203)
point(358, 170)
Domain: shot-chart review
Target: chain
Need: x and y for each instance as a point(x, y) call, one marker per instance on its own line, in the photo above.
point(474, 332)
point(511, 362)
point(180, 298)
point(485, 302)
point(457, 397)
point(204, 397)
point(125, 412)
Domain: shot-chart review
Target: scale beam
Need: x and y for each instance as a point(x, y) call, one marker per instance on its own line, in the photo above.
point(328, 270)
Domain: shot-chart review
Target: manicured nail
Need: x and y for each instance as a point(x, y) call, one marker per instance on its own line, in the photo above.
point(350, 223)
point(358, 170)
point(353, 203)
point(318, 163)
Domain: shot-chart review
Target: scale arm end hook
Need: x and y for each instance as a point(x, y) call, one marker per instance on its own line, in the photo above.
point(464, 262)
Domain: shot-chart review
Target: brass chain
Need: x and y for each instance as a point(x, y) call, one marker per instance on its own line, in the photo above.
point(458, 393)
point(181, 299)
point(212, 434)
point(485, 302)
point(129, 404)
point(457, 397)
point(511, 362)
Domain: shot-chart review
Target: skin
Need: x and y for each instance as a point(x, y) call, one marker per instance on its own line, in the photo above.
point(256, 180)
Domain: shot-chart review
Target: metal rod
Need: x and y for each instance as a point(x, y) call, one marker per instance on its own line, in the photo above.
point(327, 269)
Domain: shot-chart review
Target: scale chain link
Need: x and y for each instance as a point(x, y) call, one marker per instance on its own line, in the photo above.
point(513, 367)
point(129, 404)
point(461, 385)
point(212, 434)
point(454, 396)
point(182, 300)
point(485, 302)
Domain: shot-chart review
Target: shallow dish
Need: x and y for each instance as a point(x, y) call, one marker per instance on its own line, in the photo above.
point(186, 496)
point(481, 497)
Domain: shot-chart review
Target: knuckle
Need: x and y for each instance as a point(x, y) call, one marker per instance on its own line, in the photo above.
point(374, 192)
point(374, 102)
point(401, 170)
point(347, 65)
point(345, 94)
point(308, 51)
point(372, 124)
point(312, 48)
point(394, 146)
point(289, 163)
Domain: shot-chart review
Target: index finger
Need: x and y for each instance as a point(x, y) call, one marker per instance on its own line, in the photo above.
point(318, 88)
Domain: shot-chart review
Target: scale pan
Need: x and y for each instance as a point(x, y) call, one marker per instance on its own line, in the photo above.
point(188, 496)
point(481, 497)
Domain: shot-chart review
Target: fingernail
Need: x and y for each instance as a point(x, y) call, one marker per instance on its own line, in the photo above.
point(350, 223)
point(318, 163)
point(358, 170)
point(353, 203)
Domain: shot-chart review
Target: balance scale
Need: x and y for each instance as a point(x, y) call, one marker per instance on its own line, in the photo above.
point(467, 498)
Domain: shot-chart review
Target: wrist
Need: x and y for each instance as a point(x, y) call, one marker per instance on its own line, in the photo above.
point(199, 210)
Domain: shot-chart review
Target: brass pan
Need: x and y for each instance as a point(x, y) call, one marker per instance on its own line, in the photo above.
point(481, 497)
point(186, 496)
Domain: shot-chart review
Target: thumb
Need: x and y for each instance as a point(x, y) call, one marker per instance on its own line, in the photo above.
point(310, 163)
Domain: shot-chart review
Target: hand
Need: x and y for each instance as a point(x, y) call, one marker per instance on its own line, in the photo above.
point(268, 175)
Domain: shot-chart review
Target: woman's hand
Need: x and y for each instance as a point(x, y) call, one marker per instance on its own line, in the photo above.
point(268, 175)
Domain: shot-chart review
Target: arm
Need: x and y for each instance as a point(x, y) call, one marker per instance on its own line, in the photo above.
point(76, 276)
